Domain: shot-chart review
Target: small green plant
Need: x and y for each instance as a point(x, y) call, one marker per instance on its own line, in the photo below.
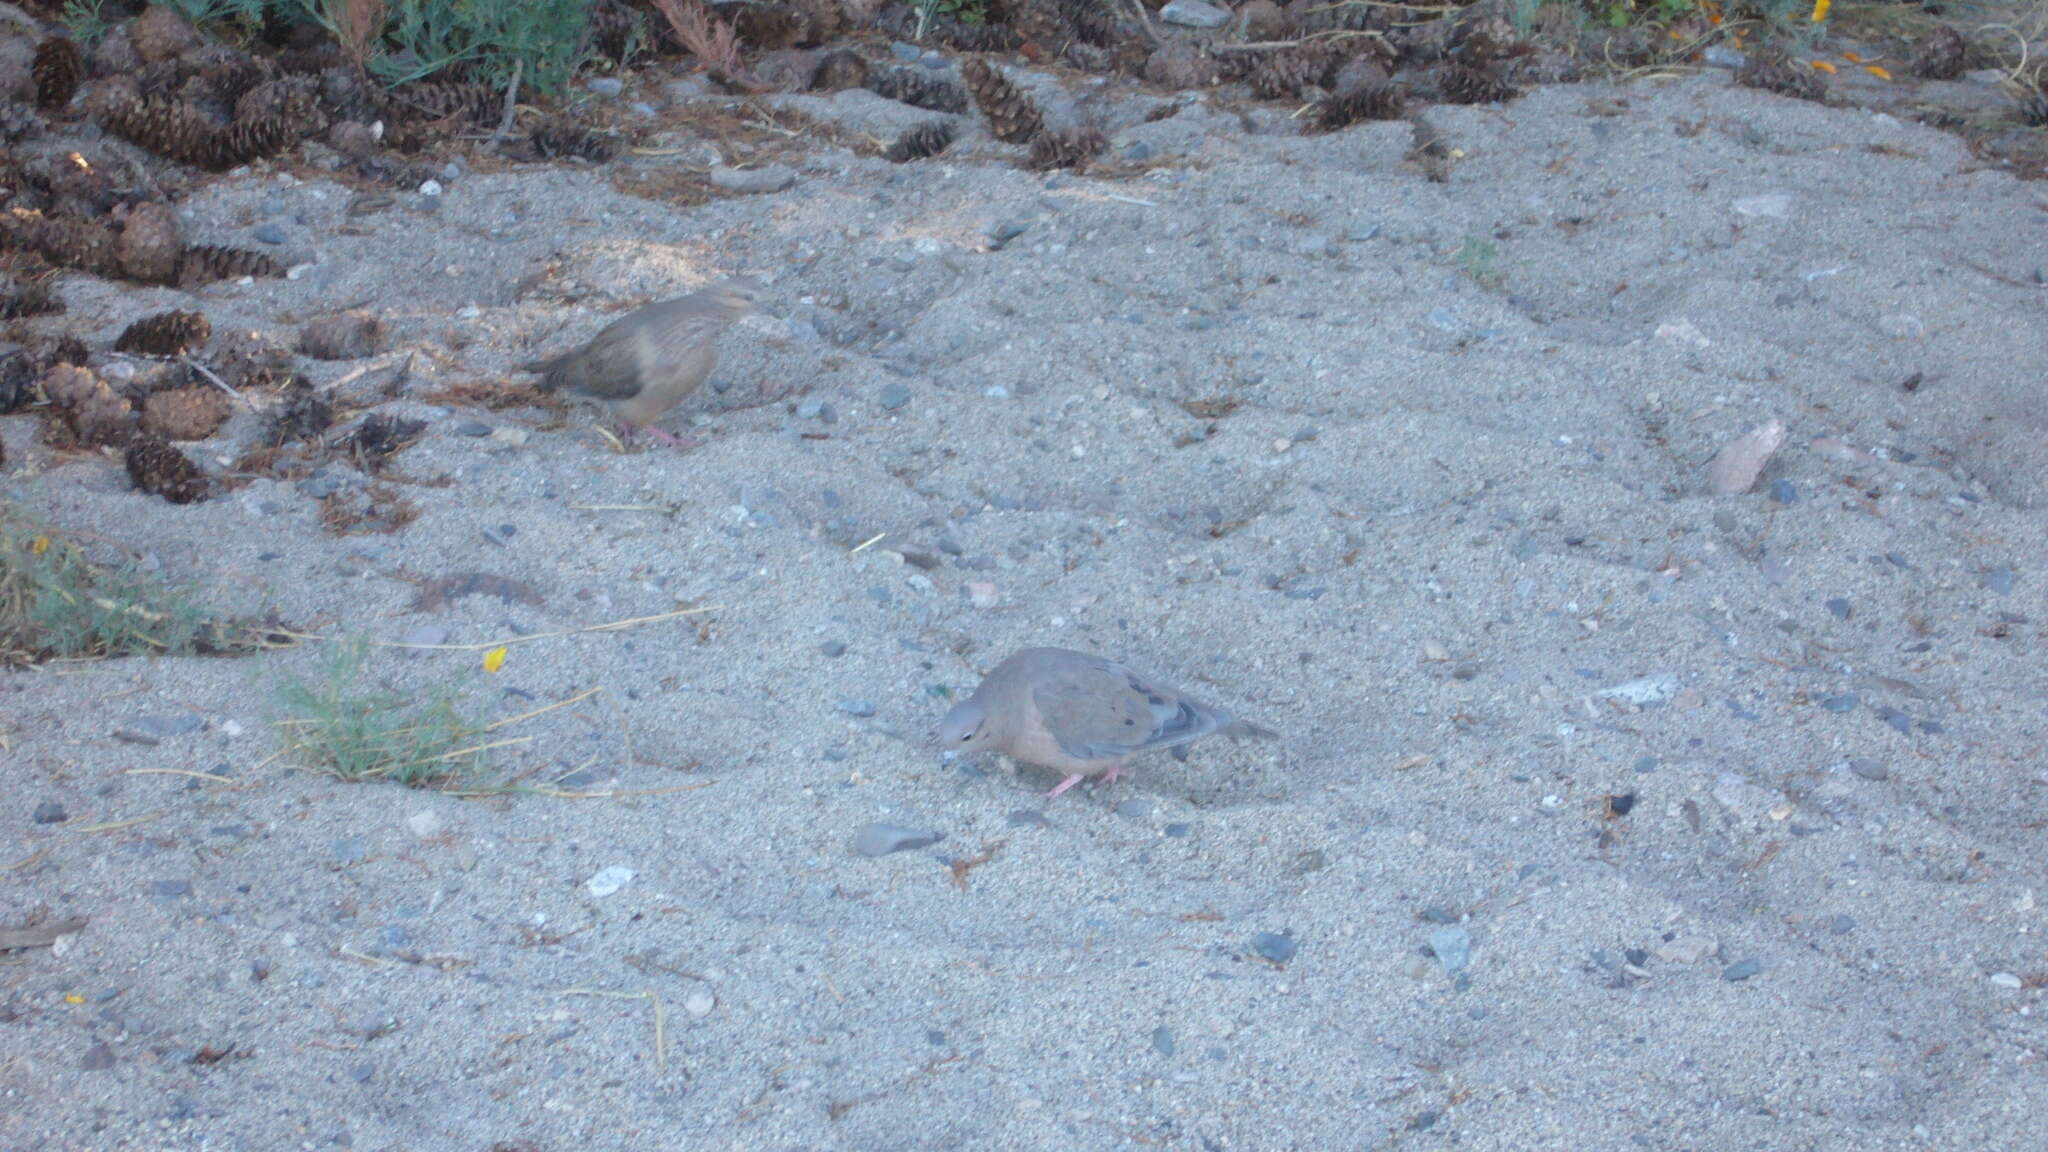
point(245, 16)
point(341, 723)
point(56, 603)
point(1479, 259)
point(86, 20)
point(486, 39)
point(965, 11)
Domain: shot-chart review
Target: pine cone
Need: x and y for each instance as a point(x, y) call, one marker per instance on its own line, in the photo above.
point(919, 89)
point(70, 242)
point(615, 32)
point(1066, 148)
point(1040, 23)
point(1464, 84)
point(1368, 102)
point(161, 34)
point(1282, 74)
point(1340, 16)
point(206, 263)
point(1094, 22)
point(92, 411)
point(350, 335)
point(2033, 107)
point(767, 27)
point(426, 100)
point(1940, 54)
point(149, 245)
point(17, 381)
point(156, 467)
point(25, 298)
point(166, 334)
point(556, 137)
point(191, 413)
point(1181, 64)
point(922, 141)
point(1012, 116)
point(65, 349)
point(57, 69)
point(175, 130)
point(1773, 71)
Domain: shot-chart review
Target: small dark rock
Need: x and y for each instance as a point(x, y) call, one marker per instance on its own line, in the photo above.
point(1870, 770)
point(1027, 818)
point(1841, 924)
point(97, 1058)
point(883, 839)
point(1838, 608)
point(362, 1073)
point(894, 395)
point(1178, 829)
point(1741, 970)
point(1162, 1040)
point(1783, 492)
point(862, 708)
point(49, 812)
point(833, 649)
point(1274, 946)
point(170, 889)
point(1843, 703)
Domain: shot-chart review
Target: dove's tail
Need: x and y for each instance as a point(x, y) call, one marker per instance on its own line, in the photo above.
point(550, 379)
point(1245, 729)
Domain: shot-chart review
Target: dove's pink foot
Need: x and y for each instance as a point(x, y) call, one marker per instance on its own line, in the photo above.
point(1063, 785)
point(664, 437)
point(1114, 770)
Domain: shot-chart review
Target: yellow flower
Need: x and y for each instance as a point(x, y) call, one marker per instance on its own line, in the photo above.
point(494, 659)
point(74, 999)
point(1823, 66)
point(1876, 71)
point(1820, 10)
point(39, 545)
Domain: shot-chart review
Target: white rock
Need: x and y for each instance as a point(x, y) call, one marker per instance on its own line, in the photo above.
point(609, 880)
point(699, 1003)
point(1194, 14)
point(425, 823)
point(1688, 949)
point(2007, 980)
point(1775, 204)
point(1741, 460)
point(1644, 690)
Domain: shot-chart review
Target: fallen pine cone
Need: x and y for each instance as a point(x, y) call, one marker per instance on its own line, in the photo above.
point(155, 466)
point(166, 334)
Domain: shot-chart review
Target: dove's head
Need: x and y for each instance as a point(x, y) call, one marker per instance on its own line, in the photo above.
point(736, 296)
point(965, 729)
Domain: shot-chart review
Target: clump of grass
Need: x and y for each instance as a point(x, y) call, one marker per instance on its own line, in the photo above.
point(56, 603)
point(342, 723)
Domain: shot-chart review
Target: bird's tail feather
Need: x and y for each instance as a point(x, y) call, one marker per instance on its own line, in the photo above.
point(1243, 729)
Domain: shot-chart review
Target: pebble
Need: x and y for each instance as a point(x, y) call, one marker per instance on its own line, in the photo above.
point(894, 395)
point(1162, 1039)
point(1721, 56)
point(1136, 808)
point(768, 178)
point(349, 849)
point(1783, 492)
point(908, 53)
point(1194, 14)
point(1870, 769)
point(862, 708)
point(1645, 691)
point(269, 233)
point(1897, 720)
point(1843, 703)
point(362, 1073)
point(431, 188)
point(425, 823)
point(1027, 818)
point(97, 1058)
point(1453, 947)
point(699, 1003)
point(259, 969)
point(1841, 924)
point(1274, 946)
point(49, 812)
point(150, 729)
point(2001, 581)
point(474, 428)
point(882, 839)
point(833, 649)
point(2002, 979)
point(1742, 970)
point(1179, 830)
point(1688, 949)
point(605, 85)
point(1838, 607)
point(609, 880)
point(1002, 233)
point(170, 889)
point(1438, 914)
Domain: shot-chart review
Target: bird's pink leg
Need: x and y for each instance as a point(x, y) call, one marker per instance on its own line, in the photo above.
point(1114, 769)
point(1063, 785)
point(664, 437)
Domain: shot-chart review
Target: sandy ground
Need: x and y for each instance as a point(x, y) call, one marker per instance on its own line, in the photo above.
point(1453, 541)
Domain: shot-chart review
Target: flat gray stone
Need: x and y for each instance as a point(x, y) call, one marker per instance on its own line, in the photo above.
point(1194, 14)
point(883, 839)
point(769, 178)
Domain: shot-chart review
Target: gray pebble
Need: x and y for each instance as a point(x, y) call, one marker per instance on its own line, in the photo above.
point(97, 1058)
point(1138, 151)
point(1162, 1040)
point(1898, 560)
point(1178, 829)
point(1870, 770)
point(1438, 914)
point(1843, 703)
point(768, 178)
point(1724, 519)
point(605, 85)
point(1274, 946)
point(2001, 581)
point(1783, 492)
point(862, 708)
point(259, 969)
point(1898, 721)
point(810, 408)
point(908, 53)
point(170, 889)
point(1453, 947)
point(1135, 808)
point(472, 428)
point(833, 648)
point(324, 482)
point(269, 233)
point(350, 849)
point(361, 1073)
point(49, 812)
point(1841, 925)
point(1194, 14)
point(1646, 764)
point(882, 839)
point(1741, 970)
point(1838, 607)
point(1027, 818)
point(1002, 233)
point(894, 395)
point(165, 727)
point(271, 206)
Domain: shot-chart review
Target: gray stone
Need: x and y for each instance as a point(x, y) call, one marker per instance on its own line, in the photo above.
point(908, 53)
point(1438, 914)
point(1741, 970)
point(349, 849)
point(475, 428)
point(97, 1058)
point(2001, 581)
point(1838, 608)
point(882, 839)
point(1178, 829)
point(1841, 925)
point(768, 178)
point(1274, 946)
point(833, 648)
point(1005, 231)
point(269, 233)
point(894, 395)
point(362, 1073)
point(1194, 14)
point(1843, 703)
point(1453, 947)
point(605, 85)
point(1162, 1040)
point(862, 708)
point(1870, 770)
point(165, 727)
point(1027, 818)
point(170, 889)
point(1783, 492)
point(49, 812)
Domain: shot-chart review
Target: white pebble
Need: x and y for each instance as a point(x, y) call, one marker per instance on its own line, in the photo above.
point(609, 880)
point(699, 1003)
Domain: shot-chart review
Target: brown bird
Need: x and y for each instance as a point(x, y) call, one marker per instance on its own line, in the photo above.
point(652, 358)
point(1081, 715)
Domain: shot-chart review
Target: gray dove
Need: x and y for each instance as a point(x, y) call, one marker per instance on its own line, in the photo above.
point(652, 358)
point(1081, 715)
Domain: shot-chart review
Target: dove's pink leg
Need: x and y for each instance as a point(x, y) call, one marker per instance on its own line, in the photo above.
point(664, 437)
point(1063, 785)
point(1114, 769)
